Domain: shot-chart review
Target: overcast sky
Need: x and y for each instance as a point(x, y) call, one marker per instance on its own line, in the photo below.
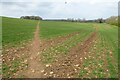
point(47, 9)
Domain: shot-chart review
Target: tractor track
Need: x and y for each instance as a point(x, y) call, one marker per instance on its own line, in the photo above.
point(68, 66)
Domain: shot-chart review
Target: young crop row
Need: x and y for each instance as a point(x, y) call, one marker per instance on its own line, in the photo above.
point(51, 53)
point(112, 55)
point(14, 62)
point(101, 61)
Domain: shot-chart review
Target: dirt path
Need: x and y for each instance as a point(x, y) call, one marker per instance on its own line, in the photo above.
point(69, 65)
point(34, 66)
point(29, 55)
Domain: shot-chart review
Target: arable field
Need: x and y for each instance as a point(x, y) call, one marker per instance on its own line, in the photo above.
point(55, 49)
point(16, 31)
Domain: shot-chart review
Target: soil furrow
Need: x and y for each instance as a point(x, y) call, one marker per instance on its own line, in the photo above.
point(55, 41)
point(69, 65)
point(34, 67)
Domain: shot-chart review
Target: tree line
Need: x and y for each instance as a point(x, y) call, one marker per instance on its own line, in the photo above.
point(111, 20)
point(31, 17)
point(100, 20)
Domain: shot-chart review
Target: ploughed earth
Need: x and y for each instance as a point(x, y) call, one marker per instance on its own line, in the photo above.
point(28, 61)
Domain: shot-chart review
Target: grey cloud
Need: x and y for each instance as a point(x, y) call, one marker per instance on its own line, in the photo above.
point(59, 9)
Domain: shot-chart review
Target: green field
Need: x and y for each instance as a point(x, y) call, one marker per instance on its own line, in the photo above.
point(56, 28)
point(16, 31)
point(101, 58)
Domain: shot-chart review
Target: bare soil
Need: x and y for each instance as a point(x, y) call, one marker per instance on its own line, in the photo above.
point(68, 66)
point(29, 55)
point(65, 66)
point(34, 66)
point(58, 40)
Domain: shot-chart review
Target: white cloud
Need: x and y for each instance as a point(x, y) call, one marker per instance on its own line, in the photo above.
point(59, 0)
point(89, 9)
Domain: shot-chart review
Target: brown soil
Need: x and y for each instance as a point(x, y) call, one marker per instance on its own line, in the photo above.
point(34, 66)
point(14, 54)
point(29, 55)
point(69, 65)
point(58, 40)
